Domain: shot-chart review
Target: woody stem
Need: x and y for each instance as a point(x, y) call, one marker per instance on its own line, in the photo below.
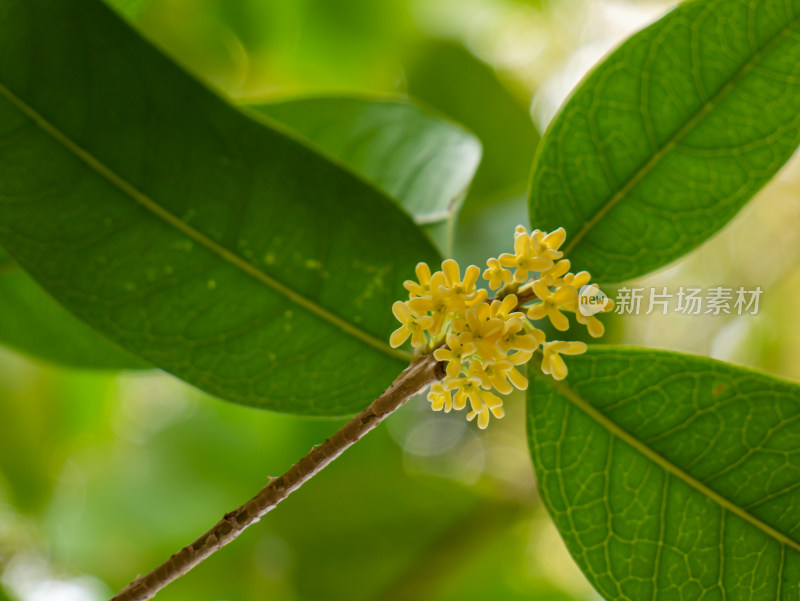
point(414, 378)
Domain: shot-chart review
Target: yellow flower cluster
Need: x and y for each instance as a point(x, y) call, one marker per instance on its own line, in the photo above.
point(483, 340)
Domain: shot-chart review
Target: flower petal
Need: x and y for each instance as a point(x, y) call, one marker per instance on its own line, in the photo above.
point(452, 272)
point(399, 336)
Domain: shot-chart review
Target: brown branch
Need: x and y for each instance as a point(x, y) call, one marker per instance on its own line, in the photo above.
point(419, 374)
point(524, 296)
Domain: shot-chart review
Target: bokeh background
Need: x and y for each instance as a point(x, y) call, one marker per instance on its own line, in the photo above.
point(103, 475)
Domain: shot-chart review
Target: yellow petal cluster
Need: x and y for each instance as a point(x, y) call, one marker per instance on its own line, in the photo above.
point(484, 340)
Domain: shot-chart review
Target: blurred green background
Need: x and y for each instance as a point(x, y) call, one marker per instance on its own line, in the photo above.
point(103, 475)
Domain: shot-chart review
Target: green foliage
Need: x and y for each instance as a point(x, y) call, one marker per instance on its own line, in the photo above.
point(32, 322)
point(129, 8)
point(256, 256)
point(41, 422)
point(450, 78)
point(426, 163)
point(213, 246)
point(669, 137)
point(672, 476)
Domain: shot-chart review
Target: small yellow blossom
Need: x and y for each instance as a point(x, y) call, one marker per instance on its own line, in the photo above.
point(506, 309)
point(517, 338)
point(440, 398)
point(413, 326)
point(466, 388)
point(434, 302)
point(454, 353)
point(497, 374)
point(481, 330)
point(552, 363)
point(483, 341)
point(460, 293)
point(422, 287)
point(551, 303)
point(594, 326)
point(490, 404)
point(548, 244)
point(452, 274)
point(554, 275)
point(497, 275)
point(525, 259)
point(576, 280)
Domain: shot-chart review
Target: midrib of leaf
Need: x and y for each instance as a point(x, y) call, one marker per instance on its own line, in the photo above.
point(670, 145)
point(194, 234)
point(615, 430)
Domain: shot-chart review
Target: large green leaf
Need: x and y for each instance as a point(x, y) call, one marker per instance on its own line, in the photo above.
point(32, 322)
point(423, 161)
point(213, 246)
point(666, 140)
point(450, 78)
point(672, 476)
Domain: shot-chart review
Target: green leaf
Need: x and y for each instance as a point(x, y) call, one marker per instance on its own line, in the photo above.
point(129, 8)
point(213, 246)
point(32, 322)
point(451, 79)
point(422, 160)
point(671, 135)
point(672, 476)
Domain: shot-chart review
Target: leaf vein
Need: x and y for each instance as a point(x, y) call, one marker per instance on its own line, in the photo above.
point(616, 430)
point(159, 211)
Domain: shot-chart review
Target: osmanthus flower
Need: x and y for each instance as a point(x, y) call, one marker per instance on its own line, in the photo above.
point(465, 388)
point(436, 302)
point(461, 293)
point(500, 375)
point(497, 275)
point(440, 398)
point(548, 244)
point(555, 275)
point(506, 308)
point(576, 280)
point(491, 404)
point(525, 259)
point(519, 338)
point(423, 285)
point(454, 354)
point(551, 304)
point(482, 340)
point(552, 363)
point(414, 325)
point(593, 325)
point(480, 329)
